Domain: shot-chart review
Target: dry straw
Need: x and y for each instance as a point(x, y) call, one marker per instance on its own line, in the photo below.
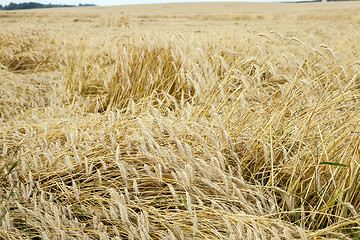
point(178, 137)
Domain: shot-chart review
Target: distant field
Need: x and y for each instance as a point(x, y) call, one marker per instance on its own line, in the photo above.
point(181, 121)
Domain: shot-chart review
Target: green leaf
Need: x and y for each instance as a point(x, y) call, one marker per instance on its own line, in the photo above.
point(12, 167)
point(79, 210)
point(333, 164)
point(332, 201)
point(198, 104)
point(185, 201)
point(354, 234)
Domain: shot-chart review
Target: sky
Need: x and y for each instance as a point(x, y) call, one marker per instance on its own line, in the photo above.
point(116, 2)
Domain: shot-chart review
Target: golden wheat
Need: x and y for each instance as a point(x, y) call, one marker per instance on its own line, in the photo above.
point(114, 127)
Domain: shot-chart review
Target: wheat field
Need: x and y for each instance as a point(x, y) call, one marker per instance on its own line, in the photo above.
point(181, 121)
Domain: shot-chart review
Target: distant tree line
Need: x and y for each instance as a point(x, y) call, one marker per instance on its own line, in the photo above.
point(309, 1)
point(32, 5)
